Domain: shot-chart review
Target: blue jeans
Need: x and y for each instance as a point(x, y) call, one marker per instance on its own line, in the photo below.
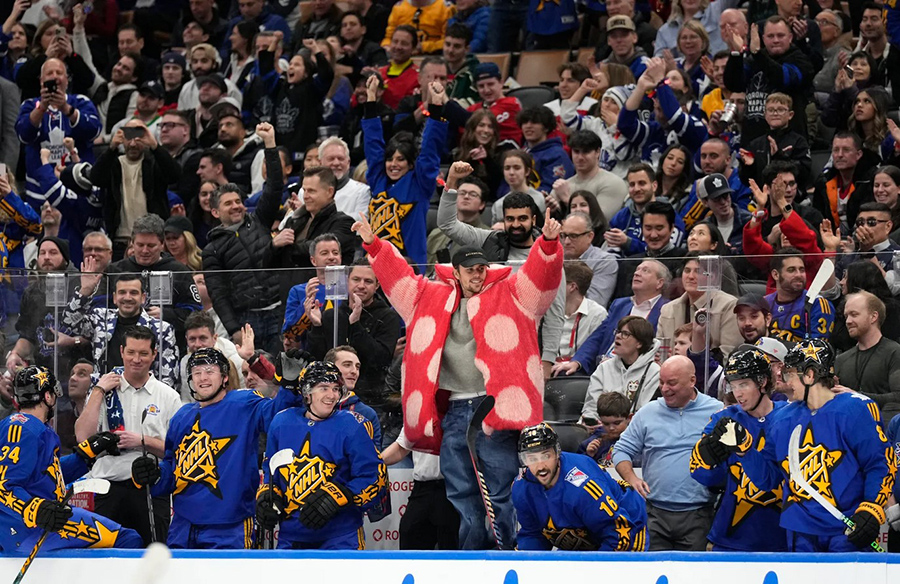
point(507, 21)
point(266, 328)
point(499, 460)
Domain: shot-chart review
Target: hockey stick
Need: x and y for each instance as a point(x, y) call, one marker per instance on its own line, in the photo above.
point(797, 477)
point(149, 496)
point(281, 458)
point(826, 270)
point(99, 486)
point(481, 412)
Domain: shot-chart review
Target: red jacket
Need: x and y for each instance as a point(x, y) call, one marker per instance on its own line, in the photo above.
point(505, 110)
point(505, 329)
point(398, 86)
point(759, 251)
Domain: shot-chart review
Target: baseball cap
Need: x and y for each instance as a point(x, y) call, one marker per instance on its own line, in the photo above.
point(620, 22)
point(754, 301)
point(226, 106)
point(153, 88)
point(772, 347)
point(469, 256)
point(216, 79)
point(486, 71)
point(178, 224)
point(713, 187)
point(174, 58)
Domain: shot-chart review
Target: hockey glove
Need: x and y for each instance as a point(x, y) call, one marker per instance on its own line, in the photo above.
point(269, 507)
point(288, 368)
point(893, 516)
point(320, 506)
point(712, 452)
point(570, 540)
point(733, 436)
point(46, 515)
point(96, 445)
point(867, 523)
point(144, 471)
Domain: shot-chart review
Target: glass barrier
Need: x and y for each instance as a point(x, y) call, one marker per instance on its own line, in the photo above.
point(74, 323)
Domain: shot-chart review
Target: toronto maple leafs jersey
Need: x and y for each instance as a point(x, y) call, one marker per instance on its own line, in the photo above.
point(585, 504)
point(789, 318)
point(210, 467)
point(338, 449)
point(844, 455)
point(747, 517)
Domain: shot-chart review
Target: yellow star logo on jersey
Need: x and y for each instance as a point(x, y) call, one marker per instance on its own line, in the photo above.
point(55, 474)
point(817, 464)
point(196, 459)
point(385, 215)
point(304, 475)
point(748, 496)
point(623, 530)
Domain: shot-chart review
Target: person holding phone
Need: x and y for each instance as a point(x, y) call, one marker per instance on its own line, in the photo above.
point(45, 121)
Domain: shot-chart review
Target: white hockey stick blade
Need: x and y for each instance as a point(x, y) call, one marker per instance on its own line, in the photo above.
point(826, 270)
point(279, 459)
point(154, 564)
point(729, 438)
point(797, 476)
point(96, 486)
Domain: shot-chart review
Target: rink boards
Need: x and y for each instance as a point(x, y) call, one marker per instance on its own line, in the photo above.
point(377, 567)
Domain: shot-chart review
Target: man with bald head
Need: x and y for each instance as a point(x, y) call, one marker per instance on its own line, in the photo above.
point(733, 22)
point(45, 121)
point(662, 434)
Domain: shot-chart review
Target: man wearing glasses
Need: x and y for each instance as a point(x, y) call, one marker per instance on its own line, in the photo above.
point(871, 236)
point(576, 237)
point(175, 136)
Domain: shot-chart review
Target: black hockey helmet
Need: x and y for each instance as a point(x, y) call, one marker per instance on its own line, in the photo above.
point(31, 383)
point(747, 362)
point(537, 438)
point(206, 357)
point(815, 354)
point(319, 372)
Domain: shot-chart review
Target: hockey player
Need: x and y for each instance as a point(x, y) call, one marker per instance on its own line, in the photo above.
point(566, 501)
point(210, 467)
point(843, 452)
point(337, 472)
point(33, 478)
point(747, 517)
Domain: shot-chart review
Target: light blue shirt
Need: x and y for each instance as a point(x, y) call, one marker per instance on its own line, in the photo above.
point(667, 35)
point(663, 438)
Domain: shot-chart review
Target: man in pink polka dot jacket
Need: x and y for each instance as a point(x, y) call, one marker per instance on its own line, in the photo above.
point(472, 332)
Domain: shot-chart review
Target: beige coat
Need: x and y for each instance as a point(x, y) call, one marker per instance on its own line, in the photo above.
point(722, 325)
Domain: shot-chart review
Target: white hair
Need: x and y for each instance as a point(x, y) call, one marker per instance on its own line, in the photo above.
point(332, 141)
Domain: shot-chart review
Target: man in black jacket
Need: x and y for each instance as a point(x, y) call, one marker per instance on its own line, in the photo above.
point(134, 184)
point(148, 243)
point(770, 64)
point(365, 322)
point(318, 215)
point(237, 253)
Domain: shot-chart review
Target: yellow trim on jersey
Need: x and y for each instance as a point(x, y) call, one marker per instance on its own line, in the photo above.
point(593, 489)
point(14, 434)
point(248, 533)
point(361, 539)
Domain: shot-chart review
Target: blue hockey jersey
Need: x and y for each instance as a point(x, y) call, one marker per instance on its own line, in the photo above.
point(210, 467)
point(398, 210)
point(843, 453)
point(296, 321)
point(694, 210)
point(789, 319)
point(31, 470)
point(628, 219)
point(747, 517)
point(652, 137)
point(338, 449)
point(585, 503)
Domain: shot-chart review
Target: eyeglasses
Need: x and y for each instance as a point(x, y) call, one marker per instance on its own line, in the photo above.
point(473, 194)
point(573, 235)
point(170, 125)
point(778, 111)
point(824, 21)
point(869, 221)
point(624, 334)
point(96, 249)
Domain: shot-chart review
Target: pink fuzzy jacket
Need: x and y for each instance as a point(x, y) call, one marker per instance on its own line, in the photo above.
point(505, 329)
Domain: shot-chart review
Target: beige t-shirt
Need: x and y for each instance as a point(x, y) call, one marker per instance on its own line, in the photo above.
point(134, 201)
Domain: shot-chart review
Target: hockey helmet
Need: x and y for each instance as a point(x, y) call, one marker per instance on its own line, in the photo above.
point(815, 354)
point(319, 372)
point(206, 356)
point(31, 383)
point(747, 362)
point(537, 438)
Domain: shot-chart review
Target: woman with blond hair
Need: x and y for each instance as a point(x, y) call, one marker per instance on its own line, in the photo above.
point(181, 243)
point(706, 12)
point(693, 44)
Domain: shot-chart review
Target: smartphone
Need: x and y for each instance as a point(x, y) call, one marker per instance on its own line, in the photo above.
point(50, 85)
point(60, 31)
point(132, 132)
point(848, 70)
point(2, 169)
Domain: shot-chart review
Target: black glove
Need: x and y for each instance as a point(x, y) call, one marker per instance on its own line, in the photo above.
point(46, 515)
point(96, 445)
point(144, 471)
point(730, 434)
point(320, 506)
point(288, 367)
point(867, 524)
point(269, 507)
point(574, 540)
point(711, 451)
